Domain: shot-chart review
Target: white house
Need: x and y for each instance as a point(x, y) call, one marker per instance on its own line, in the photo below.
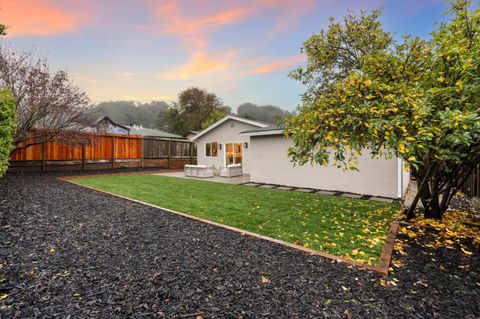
point(262, 151)
point(222, 144)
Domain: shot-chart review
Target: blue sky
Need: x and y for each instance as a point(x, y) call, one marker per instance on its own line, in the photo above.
point(145, 50)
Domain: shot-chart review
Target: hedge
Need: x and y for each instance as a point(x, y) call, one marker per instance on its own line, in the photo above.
point(7, 128)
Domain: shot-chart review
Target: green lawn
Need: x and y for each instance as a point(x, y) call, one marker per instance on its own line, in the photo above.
point(336, 225)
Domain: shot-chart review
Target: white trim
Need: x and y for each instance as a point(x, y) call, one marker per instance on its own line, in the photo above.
point(260, 133)
point(205, 149)
point(399, 178)
point(226, 118)
point(225, 151)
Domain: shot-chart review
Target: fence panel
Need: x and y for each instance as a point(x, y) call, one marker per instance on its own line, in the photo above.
point(32, 153)
point(180, 149)
point(471, 187)
point(128, 147)
point(105, 151)
point(155, 148)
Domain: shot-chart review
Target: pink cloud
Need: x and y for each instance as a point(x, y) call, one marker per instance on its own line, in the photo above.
point(288, 13)
point(192, 21)
point(200, 63)
point(278, 65)
point(193, 29)
point(39, 17)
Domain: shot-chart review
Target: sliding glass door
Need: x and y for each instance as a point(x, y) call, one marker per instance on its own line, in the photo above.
point(233, 153)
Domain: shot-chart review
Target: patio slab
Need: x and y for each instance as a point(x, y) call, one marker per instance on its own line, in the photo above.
point(245, 178)
point(267, 186)
point(285, 188)
point(303, 190)
point(331, 193)
point(356, 196)
point(251, 184)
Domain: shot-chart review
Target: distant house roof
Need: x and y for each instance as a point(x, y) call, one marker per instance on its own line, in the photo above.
point(109, 120)
point(226, 118)
point(268, 130)
point(140, 130)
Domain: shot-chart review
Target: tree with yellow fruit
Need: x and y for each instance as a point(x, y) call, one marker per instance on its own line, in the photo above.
point(415, 99)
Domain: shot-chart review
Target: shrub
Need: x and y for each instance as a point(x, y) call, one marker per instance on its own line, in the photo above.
point(7, 128)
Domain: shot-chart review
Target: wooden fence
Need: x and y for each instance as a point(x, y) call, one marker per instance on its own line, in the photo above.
point(471, 187)
point(105, 151)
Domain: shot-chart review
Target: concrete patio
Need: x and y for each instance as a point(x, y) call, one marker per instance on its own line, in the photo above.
point(245, 178)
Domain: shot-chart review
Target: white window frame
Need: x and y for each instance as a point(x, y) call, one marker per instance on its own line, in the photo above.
point(205, 149)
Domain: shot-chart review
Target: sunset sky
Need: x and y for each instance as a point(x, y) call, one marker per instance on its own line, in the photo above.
point(147, 50)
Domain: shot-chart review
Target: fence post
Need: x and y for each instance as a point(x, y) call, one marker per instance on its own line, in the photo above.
point(113, 152)
point(43, 156)
point(83, 157)
point(143, 152)
point(169, 148)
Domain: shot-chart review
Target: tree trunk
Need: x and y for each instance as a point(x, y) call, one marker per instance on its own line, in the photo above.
point(428, 197)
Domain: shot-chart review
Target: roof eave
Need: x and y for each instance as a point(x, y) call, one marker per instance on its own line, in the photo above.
point(223, 120)
point(264, 133)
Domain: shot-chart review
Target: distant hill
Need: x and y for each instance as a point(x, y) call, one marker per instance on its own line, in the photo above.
point(129, 112)
point(263, 113)
point(151, 114)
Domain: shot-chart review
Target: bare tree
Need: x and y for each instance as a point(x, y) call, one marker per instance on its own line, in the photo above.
point(49, 105)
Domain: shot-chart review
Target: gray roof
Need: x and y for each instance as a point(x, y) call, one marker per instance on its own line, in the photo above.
point(271, 128)
point(105, 117)
point(138, 130)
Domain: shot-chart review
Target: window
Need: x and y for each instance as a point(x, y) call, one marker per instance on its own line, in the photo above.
point(211, 149)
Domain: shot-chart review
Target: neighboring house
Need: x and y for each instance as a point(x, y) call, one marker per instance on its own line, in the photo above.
point(150, 132)
point(191, 135)
point(222, 144)
point(107, 125)
point(269, 163)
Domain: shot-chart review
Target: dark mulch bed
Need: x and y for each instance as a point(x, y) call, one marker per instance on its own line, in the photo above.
point(73, 253)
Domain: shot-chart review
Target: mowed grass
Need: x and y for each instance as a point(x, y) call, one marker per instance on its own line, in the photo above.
point(344, 227)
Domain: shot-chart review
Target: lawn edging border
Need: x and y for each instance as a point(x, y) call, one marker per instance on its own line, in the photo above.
point(382, 268)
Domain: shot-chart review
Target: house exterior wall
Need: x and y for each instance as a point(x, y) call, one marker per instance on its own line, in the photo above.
point(269, 163)
point(225, 133)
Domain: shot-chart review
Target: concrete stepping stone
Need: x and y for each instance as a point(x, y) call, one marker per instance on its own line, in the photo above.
point(284, 188)
point(267, 186)
point(381, 199)
point(331, 193)
point(250, 184)
point(356, 196)
point(303, 190)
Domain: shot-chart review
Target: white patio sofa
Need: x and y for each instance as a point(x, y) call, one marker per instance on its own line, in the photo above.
point(201, 171)
point(231, 170)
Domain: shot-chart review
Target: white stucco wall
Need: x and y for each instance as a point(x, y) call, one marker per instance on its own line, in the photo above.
point(225, 133)
point(269, 163)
